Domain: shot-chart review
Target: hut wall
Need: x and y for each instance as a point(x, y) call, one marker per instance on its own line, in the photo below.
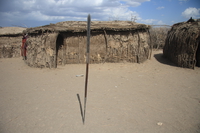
point(181, 44)
point(41, 50)
point(10, 46)
point(108, 46)
point(52, 49)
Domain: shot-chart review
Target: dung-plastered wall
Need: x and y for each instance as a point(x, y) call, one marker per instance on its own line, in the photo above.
point(52, 49)
point(10, 46)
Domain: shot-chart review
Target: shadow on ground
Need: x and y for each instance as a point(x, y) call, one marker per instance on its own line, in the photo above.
point(81, 109)
point(160, 58)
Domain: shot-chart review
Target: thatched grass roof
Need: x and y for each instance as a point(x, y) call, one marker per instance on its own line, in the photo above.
point(182, 42)
point(80, 26)
point(11, 31)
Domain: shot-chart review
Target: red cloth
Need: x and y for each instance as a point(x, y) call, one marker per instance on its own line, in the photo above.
point(23, 47)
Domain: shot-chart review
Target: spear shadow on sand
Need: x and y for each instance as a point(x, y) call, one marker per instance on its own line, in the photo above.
point(87, 70)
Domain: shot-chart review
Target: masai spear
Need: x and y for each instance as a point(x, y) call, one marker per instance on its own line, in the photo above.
point(87, 62)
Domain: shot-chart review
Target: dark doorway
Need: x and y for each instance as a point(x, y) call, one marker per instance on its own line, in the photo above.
point(198, 56)
point(59, 49)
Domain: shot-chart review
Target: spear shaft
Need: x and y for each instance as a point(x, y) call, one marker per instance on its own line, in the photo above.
point(87, 62)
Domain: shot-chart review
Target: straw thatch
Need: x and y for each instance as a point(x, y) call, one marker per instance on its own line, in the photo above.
point(11, 31)
point(80, 26)
point(182, 44)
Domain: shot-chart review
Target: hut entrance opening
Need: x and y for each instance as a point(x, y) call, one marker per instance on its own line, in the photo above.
point(198, 56)
point(59, 50)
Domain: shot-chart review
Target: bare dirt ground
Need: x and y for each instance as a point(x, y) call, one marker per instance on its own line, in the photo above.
point(151, 97)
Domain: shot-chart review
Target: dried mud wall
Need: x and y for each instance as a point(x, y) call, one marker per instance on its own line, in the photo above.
point(52, 49)
point(10, 46)
point(41, 50)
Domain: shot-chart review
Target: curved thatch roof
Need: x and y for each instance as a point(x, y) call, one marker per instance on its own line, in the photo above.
point(11, 31)
point(80, 26)
point(182, 42)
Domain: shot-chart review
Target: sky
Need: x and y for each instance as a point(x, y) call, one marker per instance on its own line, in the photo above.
point(33, 13)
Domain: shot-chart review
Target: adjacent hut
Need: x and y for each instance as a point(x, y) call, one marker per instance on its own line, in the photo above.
point(182, 45)
point(10, 41)
point(65, 43)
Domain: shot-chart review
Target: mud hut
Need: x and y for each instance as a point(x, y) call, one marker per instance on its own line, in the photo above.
point(10, 41)
point(182, 45)
point(65, 43)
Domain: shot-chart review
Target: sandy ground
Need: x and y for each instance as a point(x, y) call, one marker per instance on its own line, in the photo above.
point(152, 97)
